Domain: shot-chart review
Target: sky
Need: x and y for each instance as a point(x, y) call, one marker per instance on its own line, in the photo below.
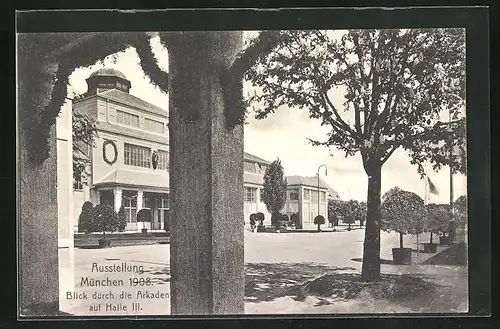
point(284, 135)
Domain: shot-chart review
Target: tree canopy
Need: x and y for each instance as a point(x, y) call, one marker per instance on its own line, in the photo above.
point(438, 218)
point(395, 85)
point(404, 212)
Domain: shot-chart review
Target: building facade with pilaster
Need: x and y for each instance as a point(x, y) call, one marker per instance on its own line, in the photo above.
point(129, 164)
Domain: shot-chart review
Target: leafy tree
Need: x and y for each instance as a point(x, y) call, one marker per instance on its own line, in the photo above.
point(353, 211)
point(460, 208)
point(335, 210)
point(319, 220)
point(104, 219)
point(403, 212)
point(438, 218)
point(274, 191)
point(84, 134)
point(395, 83)
point(85, 218)
point(122, 219)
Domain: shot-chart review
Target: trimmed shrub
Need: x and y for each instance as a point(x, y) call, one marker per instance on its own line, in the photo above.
point(104, 219)
point(319, 220)
point(85, 218)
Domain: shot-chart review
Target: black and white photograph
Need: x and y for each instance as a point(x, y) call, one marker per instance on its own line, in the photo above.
point(248, 172)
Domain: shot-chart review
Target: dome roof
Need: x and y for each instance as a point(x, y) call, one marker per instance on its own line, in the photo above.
point(109, 73)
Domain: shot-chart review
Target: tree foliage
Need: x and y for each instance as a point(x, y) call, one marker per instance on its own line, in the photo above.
point(404, 212)
point(84, 133)
point(335, 211)
point(395, 85)
point(274, 187)
point(377, 91)
point(104, 219)
point(438, 218)
point(460, 209)
point(353, 211)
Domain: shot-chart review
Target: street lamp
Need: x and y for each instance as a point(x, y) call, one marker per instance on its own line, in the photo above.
point(326, 174)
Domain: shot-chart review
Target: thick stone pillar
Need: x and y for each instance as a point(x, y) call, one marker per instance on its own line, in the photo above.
point(118, 198)
point(206, 247)
point(38, 231)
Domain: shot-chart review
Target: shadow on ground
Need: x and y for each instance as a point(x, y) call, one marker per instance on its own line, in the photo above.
point(382, 261)
point(454, 255)
point(336, 287)
point(264, 281)
point(158, 274)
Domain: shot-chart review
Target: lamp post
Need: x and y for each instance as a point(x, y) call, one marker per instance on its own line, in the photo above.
point(326, 174)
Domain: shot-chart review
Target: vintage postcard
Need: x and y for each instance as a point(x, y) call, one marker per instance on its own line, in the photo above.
point(251, 172)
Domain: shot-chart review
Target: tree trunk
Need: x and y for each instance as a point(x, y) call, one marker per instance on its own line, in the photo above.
point(371, 246)
point(431, 238)
point(349, 226)
point(401, 240)
point(319, 229)
point(206, 178)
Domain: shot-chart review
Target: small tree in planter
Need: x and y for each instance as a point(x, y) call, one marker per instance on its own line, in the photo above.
point(353, 212)
point(437, 214)
point(403, 212)
point(122, 219)
point(144, 216)
point(335, 209)
point(319, 220)
point(260, 218)
point(104, 219)
point(85, 218)
point(274, 191)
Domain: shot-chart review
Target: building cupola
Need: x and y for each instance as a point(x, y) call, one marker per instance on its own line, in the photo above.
point(106, 79)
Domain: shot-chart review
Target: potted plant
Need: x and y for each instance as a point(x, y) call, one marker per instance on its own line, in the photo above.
point(353, 211)
point(319, 220)
point(260, 218)
point(104, 219)
point(144, 216)
point(274, 191)
point(437, 215)
point(402, 213)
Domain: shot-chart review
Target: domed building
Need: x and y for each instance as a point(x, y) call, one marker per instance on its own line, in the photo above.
point(129, 163)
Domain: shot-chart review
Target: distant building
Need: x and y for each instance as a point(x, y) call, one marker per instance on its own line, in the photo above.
point(302, 198)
